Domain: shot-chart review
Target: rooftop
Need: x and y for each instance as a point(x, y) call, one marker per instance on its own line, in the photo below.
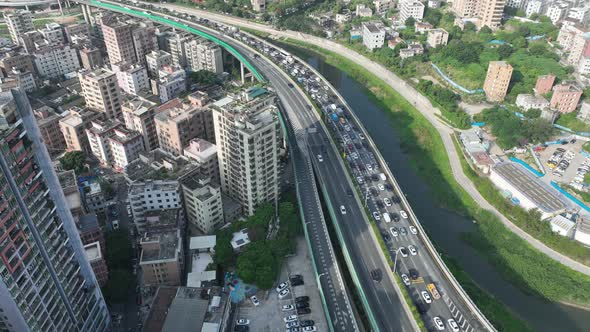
point(200, 181)
point(202, 242)
point(158, 247)
point(88, 222)
point(157, 165)
point(530, 186)
point(67, 179)
point(187, 311)
point(200, 150)
point(97, 74)
point(372, 28)
point(149, 185)
point(240, 239)
point(93, 251)
point(159, 308)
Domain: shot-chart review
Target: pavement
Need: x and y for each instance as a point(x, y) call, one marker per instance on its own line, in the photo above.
point(268, 316)
point(421, 103)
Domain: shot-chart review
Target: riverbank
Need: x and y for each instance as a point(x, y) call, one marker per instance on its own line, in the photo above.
point(423, 144)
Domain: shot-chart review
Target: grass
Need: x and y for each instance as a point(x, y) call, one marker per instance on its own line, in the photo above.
point(526, 267)
point(570, 121)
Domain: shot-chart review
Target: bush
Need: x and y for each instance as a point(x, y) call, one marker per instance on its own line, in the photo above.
point(448, 102)
point(74, 160)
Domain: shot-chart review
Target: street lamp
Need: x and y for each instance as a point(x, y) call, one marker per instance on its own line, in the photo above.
point(319, 276)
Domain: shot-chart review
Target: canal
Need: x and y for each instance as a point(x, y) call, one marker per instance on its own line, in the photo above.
point(445, 227)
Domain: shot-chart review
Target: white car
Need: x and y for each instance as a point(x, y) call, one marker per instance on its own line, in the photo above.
point(426, 297)
point(403, 252)
point(255, 301)
point(282, 286)
point(381, 187)
point(412, 250)
point(290, 318)
point(453, 325)
point(393, 231)
point(310, 329)
point(403, 214)
point(369, 168)
point(376, 215)
point(342, 209)
point(284, 293)
point(413, 230)
point(292, 325)
point(243, 322)
point(387, 201)
point(438, 323)
point(359, 179)
point(361, 136)
point(405, 279)
point(288, 307)
point(320, 158)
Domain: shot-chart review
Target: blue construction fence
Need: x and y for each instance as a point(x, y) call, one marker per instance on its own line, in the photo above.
point(453, 83)
point(527, 166)
point(570, 196)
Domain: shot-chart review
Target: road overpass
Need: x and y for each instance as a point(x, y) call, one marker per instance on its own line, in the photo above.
point(386, 310)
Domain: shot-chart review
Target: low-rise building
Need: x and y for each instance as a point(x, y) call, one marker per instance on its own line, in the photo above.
point(544, 84)
point(562, 226)
point(91, 58)
point(373, 36)
point(437, 37)
point(582, 233)
point(113, 144)
point(383, 6)
point(413, 9)
point(69, 185)
point(584, 112)
point(528, 101)
point(156, 60)
point(202, 202)
point(73, 128)
point(566, 97)
point(158, 165)
point(170, 85)
point(161, 259)
point(240, 239)
point(48, 122)
point(152, 195)
point(477, 149)
point(363, 11)
point(95, 258)
point(413, 49)
point(204, 155)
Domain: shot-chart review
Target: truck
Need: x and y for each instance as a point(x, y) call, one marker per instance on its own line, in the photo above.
point(432, 288)
point(382, 177)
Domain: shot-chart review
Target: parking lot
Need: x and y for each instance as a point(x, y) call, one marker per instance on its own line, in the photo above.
point(268, 316)
point(564, 164)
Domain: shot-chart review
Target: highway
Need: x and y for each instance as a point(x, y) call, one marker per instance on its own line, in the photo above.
point(386, 310)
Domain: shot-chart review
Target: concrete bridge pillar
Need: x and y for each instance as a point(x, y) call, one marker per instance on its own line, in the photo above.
point(245, 73)
point(86, 11)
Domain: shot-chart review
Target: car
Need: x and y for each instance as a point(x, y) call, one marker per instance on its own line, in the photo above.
point(294, 329)
point(349, 192)
point(287, 307)
point(361, 136)
point(453, 325)
point(282, 286)
point(290, 318)
point(403, 214)
point(241, 328)
point(386, 237)
point(115, 224)
point(403, 231)
point(376, 275)
point(254, 300)
point(438, 323)
point(412, 250)
point(376, 215)
point(295, 277)
point(300, 305)
point(403, 252)
point(292, 324)
point(291, 85)
point(381, 186)
point(303, 311)
point(369, 167)
point(297, 282)
point(306, 323)
point(302, 299)
point(414, 274)
point(426, 297)
point(284, 293)
point(387, 201)
point(310, 329)
point(320, 158)
point(393, 231)
point(243, 321)
point(405, 279)
point(413, 230)
point(342, 209)
point(360, 180)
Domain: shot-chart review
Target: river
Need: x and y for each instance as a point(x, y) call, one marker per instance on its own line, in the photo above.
point(446, 227)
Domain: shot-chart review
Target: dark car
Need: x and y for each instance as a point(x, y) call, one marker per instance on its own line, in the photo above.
point(307, 322)
point(291, 85)
point(396, 199)
point(241, 328)
point(297, 282)
point(294, 277)
point(302, 299)
point(422, 307)
point(414, 274)
point(300, 305)
point(303, 311)
point(349, 192)
point(386, 237)
point(376, 275)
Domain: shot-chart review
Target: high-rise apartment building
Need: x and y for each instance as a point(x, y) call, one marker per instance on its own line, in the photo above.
point(172, 83)
point(139, 116)
point(566, 97)
point(247, 135)
point(178, 125)
point(202, 202)
point(144, 40)
point(91, 57)
point(414, 9)
point(497, 80)
point(131, 78)
point(118, 39)
point(156, 60)
point(533, 7)
point(204, 55)
point(465, 8)
point(54, 61)
point(580, 48)
point(113, 144)
point(53, 33)
point(101, 91)
point(46, 282)
point(73, 127)
point(18, 23)
point(488, 12)
point(151, 196)
point(48, 122)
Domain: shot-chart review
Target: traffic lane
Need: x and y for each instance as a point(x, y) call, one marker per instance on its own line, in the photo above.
point(384, 297)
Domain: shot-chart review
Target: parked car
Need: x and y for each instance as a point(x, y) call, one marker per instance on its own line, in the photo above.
point(414, 274)
point(412, 250)
point(282, 286)
point(405, 279)
point(403, 214)
point(254, 300)
point(438, 323)
point(284, 293)
point(453, 325)
point(303, 311)
point(413, 230)
point(243, 321)
point(426, 297)
point(307, 322)
point(290, 318)
point(300, 305)
point(288, 307)
point(302, 299)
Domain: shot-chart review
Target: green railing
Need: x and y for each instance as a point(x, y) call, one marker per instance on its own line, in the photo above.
point(184, 27)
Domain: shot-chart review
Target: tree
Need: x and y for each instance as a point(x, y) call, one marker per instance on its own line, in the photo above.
point(410, 22)
point(485, 30)
point(224, 252)
point(203, 77)
point(520, 13)
point(519, 42)
point(534, 16)
point(537, 49)
point(433, 16)
point(505, 51)
point(74, 160)
point(257, 265)
point(469, 26)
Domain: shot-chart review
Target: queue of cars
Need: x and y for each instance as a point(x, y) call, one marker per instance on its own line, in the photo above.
point(299, 307)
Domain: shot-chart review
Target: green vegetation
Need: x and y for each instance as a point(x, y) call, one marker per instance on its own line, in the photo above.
point(570, 121)
point(203, 77)
point(511, 131)
point(118, 259)
point(260, 261)
point(74, 160)
point(448, 103)
point(523, 265)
